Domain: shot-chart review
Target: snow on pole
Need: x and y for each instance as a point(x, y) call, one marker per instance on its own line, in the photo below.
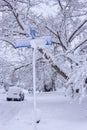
point(34, 88)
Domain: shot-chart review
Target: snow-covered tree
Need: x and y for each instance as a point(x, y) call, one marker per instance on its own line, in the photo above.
point(67, 28)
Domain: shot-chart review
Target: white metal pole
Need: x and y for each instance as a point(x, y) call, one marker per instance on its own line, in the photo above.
point(34, 88)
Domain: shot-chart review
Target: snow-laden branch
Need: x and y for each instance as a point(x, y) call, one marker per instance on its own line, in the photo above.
point(59, 71)
point(78, 82)
point(15, 14)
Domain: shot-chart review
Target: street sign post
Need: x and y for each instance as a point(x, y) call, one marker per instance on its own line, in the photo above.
point(34, 43)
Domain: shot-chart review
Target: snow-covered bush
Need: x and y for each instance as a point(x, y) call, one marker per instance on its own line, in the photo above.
point(77, 84)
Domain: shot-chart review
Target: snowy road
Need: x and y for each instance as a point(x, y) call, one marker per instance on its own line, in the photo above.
point(56, 113)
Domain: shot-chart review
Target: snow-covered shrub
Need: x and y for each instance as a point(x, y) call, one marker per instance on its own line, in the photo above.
point(77, 84)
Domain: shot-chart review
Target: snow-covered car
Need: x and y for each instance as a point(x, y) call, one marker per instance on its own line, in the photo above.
point(15, 93)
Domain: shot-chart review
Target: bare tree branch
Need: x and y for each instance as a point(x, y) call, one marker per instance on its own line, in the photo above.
point(73, 34)
point(51, 31)
point(59, 2)
point(85, 41)
point(10, 43)
point(61, 41)
point(26, 65)
point(58, 36)
point(22, 66)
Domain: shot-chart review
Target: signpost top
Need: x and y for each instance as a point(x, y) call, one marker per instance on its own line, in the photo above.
point(37, 42)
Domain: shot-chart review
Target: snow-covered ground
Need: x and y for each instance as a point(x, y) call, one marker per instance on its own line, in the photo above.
point(57, 113)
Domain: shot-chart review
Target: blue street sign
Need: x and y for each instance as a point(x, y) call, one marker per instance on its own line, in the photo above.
point(32, 33)
point(22, 46)
point(49, 42)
